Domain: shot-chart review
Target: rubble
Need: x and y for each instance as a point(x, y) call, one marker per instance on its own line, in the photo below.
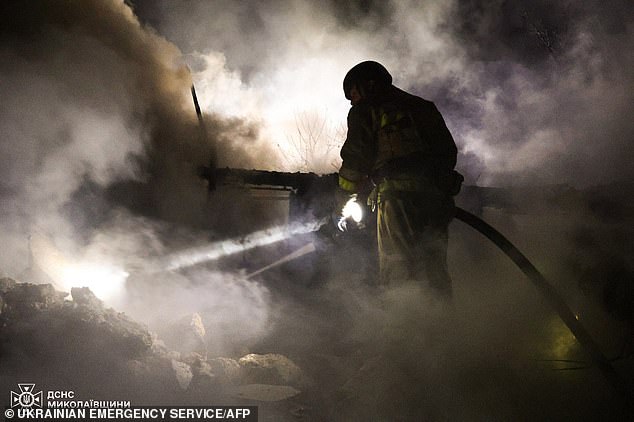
point(215, 374)
point(227, 370)
point(186, 335)
point(81, 339)
point(77, 339)
point(20, 299)
point(183, 373)
point(84, 296)
point(6, 284)
point(271, 369)
point(265, 392)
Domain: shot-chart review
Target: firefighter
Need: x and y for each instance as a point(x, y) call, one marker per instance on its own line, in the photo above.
point(398, 144)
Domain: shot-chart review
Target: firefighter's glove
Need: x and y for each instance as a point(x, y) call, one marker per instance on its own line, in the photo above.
point(341, 223)
point(341, 197)
point(350, 215)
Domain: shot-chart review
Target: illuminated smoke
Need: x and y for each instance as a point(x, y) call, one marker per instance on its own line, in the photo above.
point(223, 248)
point(105, 279)
point(533, 93)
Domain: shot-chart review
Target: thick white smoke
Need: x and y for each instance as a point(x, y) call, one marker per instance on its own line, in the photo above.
point(97, 116)
point(532, 93)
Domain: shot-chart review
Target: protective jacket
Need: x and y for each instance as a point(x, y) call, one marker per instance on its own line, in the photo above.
point(398, 136)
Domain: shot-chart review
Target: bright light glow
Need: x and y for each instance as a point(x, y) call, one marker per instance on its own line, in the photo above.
point(300, 89)
point(103, 278)
point(353, 210)
point(227, 247)
point(105, 281)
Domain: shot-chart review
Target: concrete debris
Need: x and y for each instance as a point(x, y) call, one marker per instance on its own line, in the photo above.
point(83, 340)
point(84, 296)
point(40, 308)
point(186, 335)
point(157, 376)
point(271, 369)
point(214, 374)
point(20, 299)
point(158, 345)
point(6, 284)
point(149, 367)
point(265, 392)
point(197, 326)
point(183, 373)
point(227, 370)
point(100, 349)
point(203, 378)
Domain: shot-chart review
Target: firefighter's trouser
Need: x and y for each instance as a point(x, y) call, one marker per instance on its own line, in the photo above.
point(412, 238)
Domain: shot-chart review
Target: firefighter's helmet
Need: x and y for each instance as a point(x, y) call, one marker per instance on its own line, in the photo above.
point(364, 72)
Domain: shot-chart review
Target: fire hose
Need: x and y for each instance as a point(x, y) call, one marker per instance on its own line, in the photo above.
point(550, 293)
point(545, 288)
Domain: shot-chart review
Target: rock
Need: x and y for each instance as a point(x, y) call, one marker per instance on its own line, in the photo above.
point(159, 374)
point(173, 355)
point(227, 370)
point(83, 339)
point(84, 296)
point(133, 338)
point(22, 299)
point(265, 392)
point(203, 378)
point(197, 327)
point(136, 368)
point(192, 358)
point(271, 369)
point(215, 373)
point(183, 373)
point(40, 312)
point(186, 335)
point(158, 345)
point(6, 284)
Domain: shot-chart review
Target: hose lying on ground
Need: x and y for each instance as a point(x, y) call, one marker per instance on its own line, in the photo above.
point(583, 337)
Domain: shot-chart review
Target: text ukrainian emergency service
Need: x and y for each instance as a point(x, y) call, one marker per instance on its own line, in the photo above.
point(141, 413)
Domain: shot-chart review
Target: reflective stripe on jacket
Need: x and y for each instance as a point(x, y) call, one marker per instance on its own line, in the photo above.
point(399, 126)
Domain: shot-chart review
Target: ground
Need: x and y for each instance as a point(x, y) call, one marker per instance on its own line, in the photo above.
point(335, 347)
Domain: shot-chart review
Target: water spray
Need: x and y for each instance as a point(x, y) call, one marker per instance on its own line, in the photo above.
point(298, 253)
point(217, 250)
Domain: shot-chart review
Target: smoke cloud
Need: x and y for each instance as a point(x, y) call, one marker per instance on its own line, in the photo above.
point(532, 93)
point(100, 142)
